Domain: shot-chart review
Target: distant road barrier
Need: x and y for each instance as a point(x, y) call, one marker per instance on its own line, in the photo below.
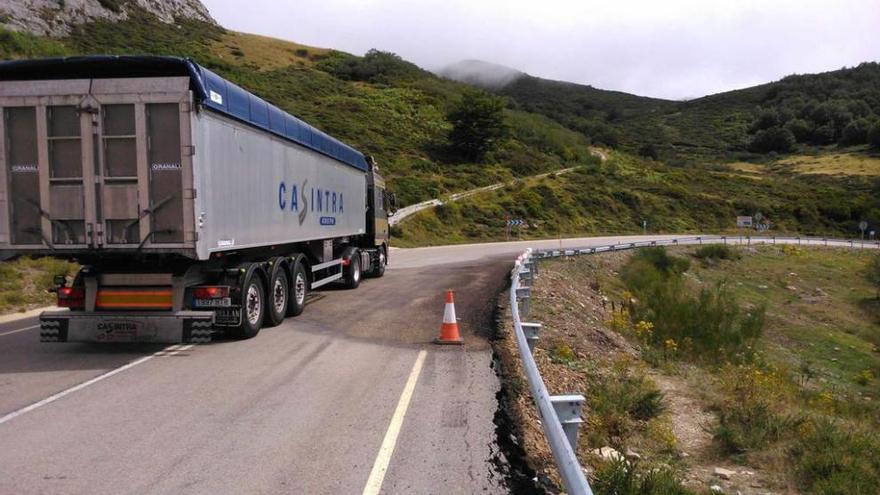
point(561, 414)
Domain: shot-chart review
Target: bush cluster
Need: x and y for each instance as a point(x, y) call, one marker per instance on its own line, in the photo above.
point(751, 416)
point(820, 110)
point(621, 477)
point(706, 325)
point(717, 252)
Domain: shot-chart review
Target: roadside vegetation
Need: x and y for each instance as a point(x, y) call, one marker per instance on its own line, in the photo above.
point(618, 195)
point(753, 369)
point(24, 283)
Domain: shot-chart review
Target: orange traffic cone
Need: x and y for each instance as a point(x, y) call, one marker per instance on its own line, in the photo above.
point(449, 329)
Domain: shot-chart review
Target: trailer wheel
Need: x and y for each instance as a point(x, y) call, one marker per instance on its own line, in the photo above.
point(278, 296)
point(253, 307)
point(352, 273)
point(298, 289)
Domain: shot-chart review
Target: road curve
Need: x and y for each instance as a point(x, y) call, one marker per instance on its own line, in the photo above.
point(412, 209)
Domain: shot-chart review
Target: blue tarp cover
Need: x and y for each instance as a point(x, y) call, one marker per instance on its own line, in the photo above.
point(211, 90)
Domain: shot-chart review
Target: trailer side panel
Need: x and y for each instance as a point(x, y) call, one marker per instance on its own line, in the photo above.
point(255, 189)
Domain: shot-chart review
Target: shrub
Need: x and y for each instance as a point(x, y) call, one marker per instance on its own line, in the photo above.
point(751, 417)
point(831, 458)
point(873, 273)
point(562, 354)
point(717, 252)
point(708, 325)
point(649, 150)
point(777, 139)
point(660, 259)
point(624, 478)
point(618, 401)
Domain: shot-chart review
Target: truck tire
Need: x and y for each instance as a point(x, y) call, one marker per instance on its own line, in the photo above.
point(383, 260)
point(299, 288)
point(278, 295)
point(379, 270)
point(253, 307)
point(352, 273)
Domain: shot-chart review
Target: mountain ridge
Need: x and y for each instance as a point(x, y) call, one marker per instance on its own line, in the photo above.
point(59, 17)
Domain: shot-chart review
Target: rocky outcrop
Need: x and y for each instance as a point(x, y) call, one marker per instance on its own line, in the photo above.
point(57, 17)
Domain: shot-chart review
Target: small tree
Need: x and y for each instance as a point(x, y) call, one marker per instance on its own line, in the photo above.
point(477, 124)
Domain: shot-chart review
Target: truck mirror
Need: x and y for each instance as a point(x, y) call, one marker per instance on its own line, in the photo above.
point(392, 199)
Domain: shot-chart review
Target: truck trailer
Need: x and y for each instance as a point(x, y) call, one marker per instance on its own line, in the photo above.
point(194, 207)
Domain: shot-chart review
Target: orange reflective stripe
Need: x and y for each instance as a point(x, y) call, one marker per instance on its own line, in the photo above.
point(134, 299)
point(132, 305)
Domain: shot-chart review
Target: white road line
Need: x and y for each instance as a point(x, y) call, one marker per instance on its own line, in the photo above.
point(380, 467)
point(19, 330)
point(48, 400)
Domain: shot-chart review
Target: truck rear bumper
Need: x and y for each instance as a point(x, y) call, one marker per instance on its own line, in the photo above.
point(170, 328)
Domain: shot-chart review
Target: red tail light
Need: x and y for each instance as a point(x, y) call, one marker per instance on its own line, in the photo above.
point(72, 297)
point(210, 292)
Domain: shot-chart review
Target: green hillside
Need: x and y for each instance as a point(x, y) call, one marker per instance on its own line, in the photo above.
point(382, 105)
point(799, 112)
point(398, 112)
point(616, 196)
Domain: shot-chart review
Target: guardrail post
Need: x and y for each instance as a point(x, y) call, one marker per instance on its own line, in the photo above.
point(568, 410)
point(749, 240)
point(525, 273)
point(524, 294)
point(531, 331)
point(532, 265)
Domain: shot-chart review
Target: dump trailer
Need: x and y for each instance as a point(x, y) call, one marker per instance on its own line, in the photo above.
point(194, 207)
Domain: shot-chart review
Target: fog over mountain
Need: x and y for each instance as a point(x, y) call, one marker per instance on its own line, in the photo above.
point(673, 49)
point(480, 73)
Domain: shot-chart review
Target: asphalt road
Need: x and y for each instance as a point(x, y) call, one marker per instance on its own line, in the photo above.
point(301, 408)
point(310, 406)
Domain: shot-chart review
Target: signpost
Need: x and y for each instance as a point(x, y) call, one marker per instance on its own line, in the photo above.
point(862, 226)
point(513, 222)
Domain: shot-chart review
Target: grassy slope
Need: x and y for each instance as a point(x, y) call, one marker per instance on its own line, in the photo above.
point(616, 196)
point(401, 122)
point(819, 354)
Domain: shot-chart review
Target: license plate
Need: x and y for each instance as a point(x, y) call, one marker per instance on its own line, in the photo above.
point(213, 303)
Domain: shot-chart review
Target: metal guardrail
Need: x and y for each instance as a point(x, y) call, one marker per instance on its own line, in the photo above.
point(560, 414)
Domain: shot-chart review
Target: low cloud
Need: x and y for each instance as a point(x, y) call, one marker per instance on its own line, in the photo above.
point(674, 49)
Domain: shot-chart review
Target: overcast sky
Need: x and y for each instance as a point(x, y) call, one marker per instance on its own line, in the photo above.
point(665, 48)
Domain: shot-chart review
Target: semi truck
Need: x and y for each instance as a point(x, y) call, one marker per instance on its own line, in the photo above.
point(194, 207)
